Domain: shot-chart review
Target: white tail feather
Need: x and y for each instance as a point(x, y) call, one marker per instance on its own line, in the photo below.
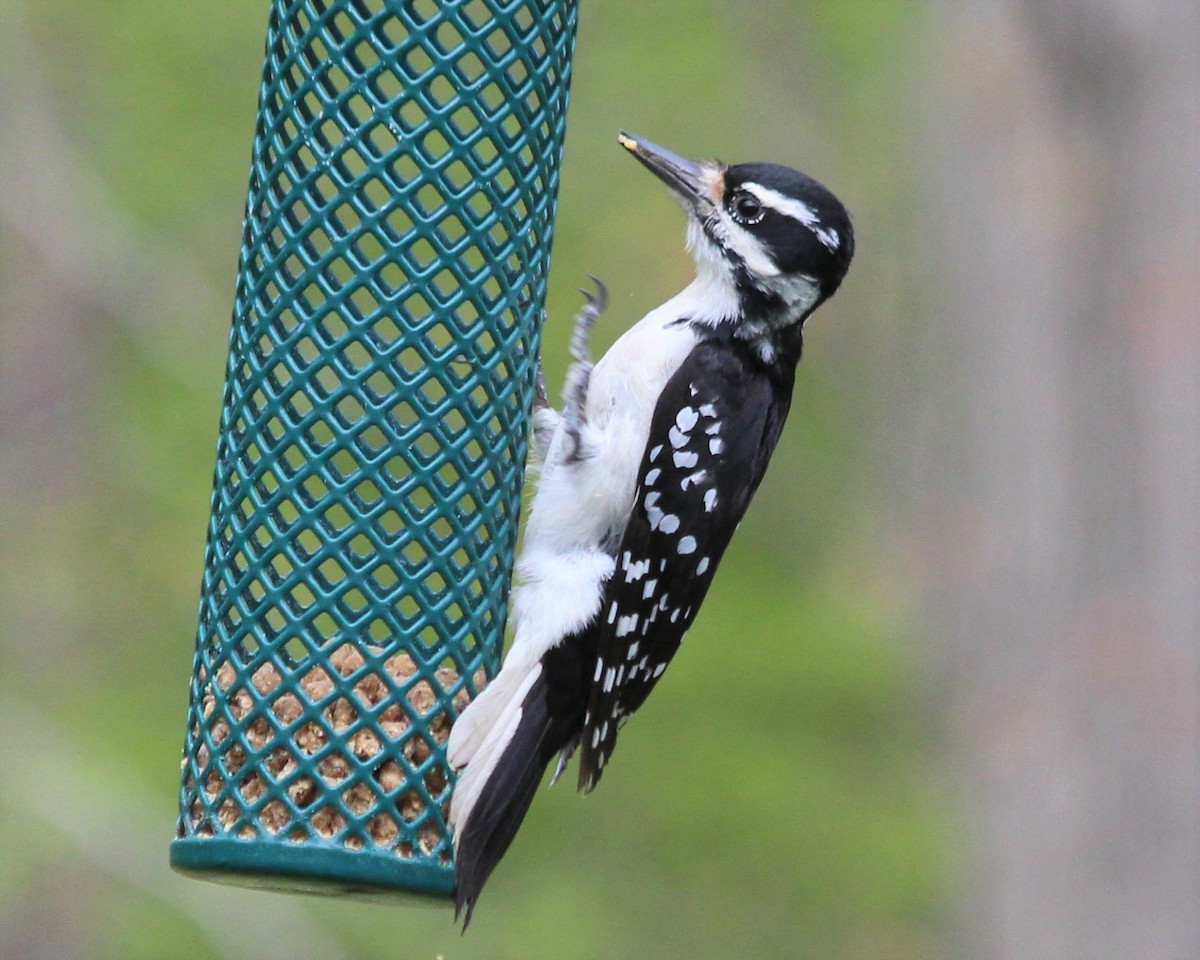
point(484, 740)
point(476, 722)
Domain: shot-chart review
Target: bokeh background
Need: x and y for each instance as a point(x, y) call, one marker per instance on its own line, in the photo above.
point(943, 699)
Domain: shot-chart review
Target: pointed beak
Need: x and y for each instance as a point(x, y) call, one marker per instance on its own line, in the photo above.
point(687, 178)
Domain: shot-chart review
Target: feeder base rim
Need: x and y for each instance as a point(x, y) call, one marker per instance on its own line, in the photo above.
point(322, 871)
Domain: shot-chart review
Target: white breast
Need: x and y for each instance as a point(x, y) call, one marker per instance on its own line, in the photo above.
point(582, 505)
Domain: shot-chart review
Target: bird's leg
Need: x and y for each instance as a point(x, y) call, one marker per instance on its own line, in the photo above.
point(545, 418)
point(540, 401)
point(564, 757)
point(579, 376)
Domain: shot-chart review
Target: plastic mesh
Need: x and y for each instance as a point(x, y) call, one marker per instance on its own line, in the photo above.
point(373, 433)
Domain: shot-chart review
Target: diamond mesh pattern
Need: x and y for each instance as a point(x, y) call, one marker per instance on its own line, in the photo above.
point(372, 441)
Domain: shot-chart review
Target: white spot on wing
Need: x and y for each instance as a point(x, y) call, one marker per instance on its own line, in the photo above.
point(677, 437)
point(685, 460)
point(710, 499)
point(708, 410)
point(652, 477)
point(649, 588)
point(702, 566)
point(687, 545)
point(692, 478)
point(716, 445)
point(670, 523)
point(686, 419)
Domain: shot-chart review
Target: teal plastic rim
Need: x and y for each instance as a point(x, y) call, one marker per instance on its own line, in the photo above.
point(373, 434)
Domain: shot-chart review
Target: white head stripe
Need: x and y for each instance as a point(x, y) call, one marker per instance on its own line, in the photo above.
point(798, 290)
point(797, 210)
point(748, 247)
point(758, 261)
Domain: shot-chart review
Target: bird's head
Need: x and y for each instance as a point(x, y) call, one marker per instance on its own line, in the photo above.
point(771, 244)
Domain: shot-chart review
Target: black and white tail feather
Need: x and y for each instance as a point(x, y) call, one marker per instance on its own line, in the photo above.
point(644, 476)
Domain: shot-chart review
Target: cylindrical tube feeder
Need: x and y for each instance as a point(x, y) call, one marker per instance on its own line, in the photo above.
point(373, 434)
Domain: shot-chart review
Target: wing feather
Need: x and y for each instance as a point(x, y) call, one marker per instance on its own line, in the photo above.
point(713, 431)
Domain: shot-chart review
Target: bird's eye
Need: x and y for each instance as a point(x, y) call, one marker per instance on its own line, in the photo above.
point(747, 207)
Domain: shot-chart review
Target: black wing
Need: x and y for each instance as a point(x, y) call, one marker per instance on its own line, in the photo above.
point(712, 434)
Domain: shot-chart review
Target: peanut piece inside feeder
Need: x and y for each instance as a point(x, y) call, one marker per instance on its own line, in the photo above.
point(348, 731)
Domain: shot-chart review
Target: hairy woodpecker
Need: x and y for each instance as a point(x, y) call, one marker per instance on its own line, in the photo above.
point(645, 475)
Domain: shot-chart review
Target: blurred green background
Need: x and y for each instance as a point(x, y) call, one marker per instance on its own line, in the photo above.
point(783, 794)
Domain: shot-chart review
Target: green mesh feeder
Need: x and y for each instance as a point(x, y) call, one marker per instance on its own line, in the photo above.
point(373, 434)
